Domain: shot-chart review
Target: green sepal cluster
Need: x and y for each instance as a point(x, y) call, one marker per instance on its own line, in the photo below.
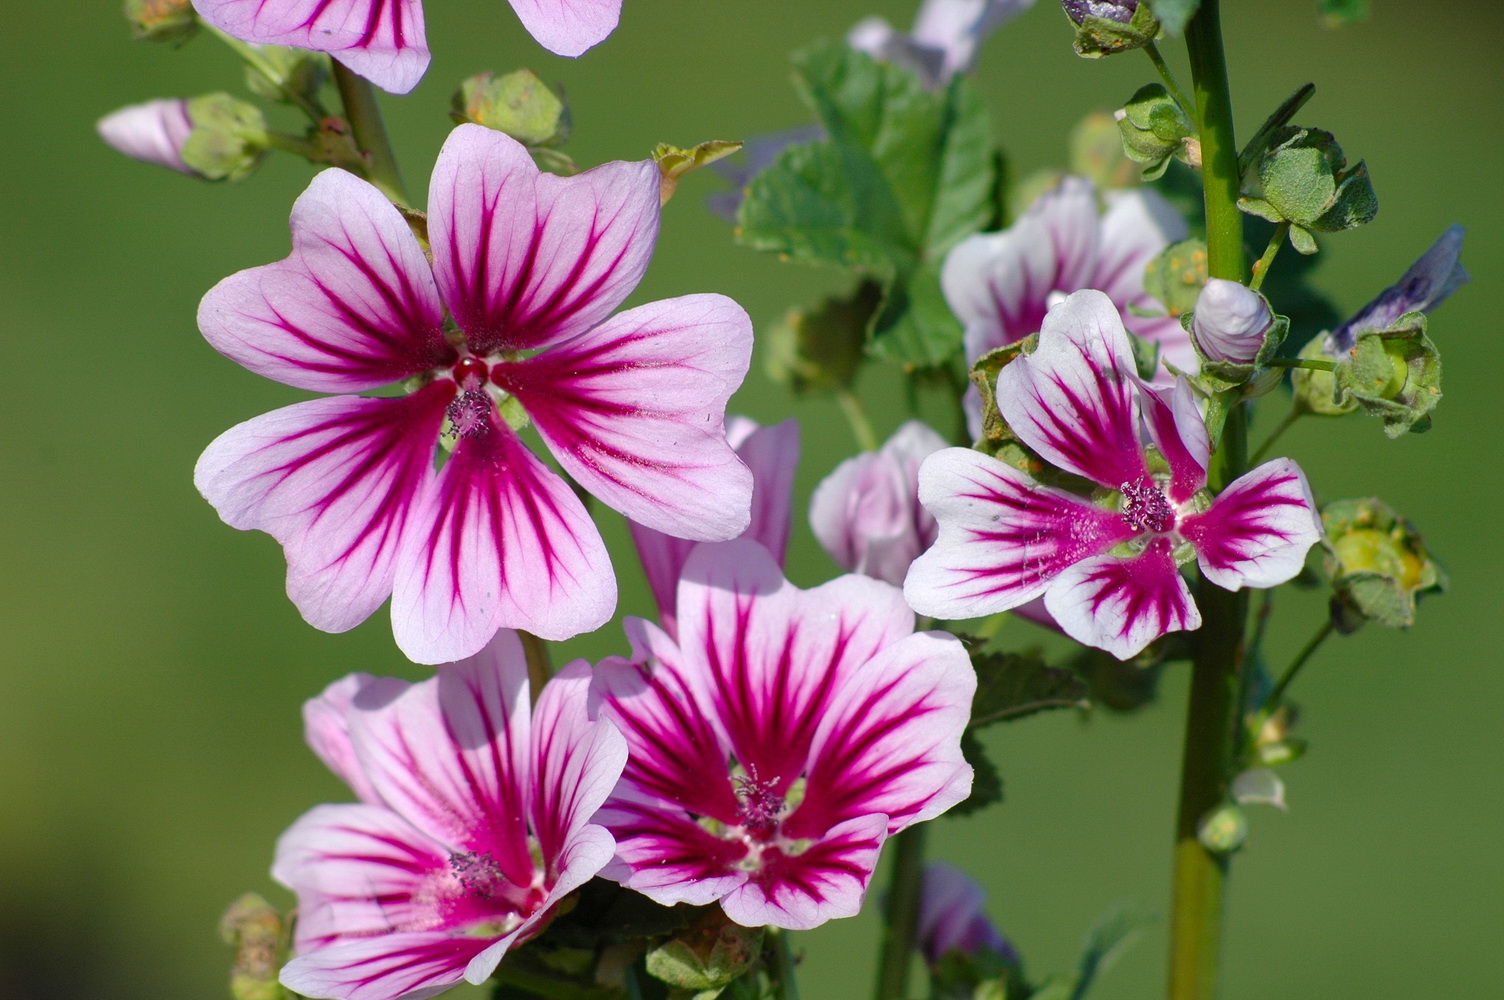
point(1224, 829)
point(1154, 129)
point(1176, 276)
point(287, 76)
point(820, 348)
point(1102, 36)
point(1306, 182)
point(161, 20)
point(676, 161)
point(706, 956)
point(1315, 389)
point(228, 139)
point(261, 939)
point(981, 975)
point(1378, 564)
point(518, 103)
point(1393, 374)
point(905, 174)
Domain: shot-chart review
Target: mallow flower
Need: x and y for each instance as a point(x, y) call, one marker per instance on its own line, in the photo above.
point(530, 267)
point(1001, 285)
point(1427, 284)
point(772, 453)
point(1108, 571)
point(953, 917)
point(384, 40)
point(779, 740)
point(473, 823)
point(152, 132)
point(944, 40)
point(866, 513)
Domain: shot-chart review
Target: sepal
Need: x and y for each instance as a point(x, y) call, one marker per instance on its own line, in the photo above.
point(1393, 374)
point(161, 20)
point(1154, 128)
point(287, 75)
point(1306, 181)
point(706, 956)
point(519, 104)
point(228, 137)
point(1378, 564)
point(820, 348)
point(1128, 25)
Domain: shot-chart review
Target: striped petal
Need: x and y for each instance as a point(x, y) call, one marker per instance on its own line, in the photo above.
point(825, 881)
point(1122, 605)
point(664, 854)
point(568, 27)
point(1003, 537)
point(1258, 530)
point(1073, 399)
point(634, 408)
point(526, 259)
point(1178, 430)
point(507, 545)
point(1137, 225)
point(386, 967)
point(381, 40)
point(353, 307)
point(337, 482)
point(326, 725)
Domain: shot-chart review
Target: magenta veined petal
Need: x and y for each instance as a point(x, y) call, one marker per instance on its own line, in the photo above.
point(336, 481)
point(526, 259)
point(1073, 399)
point(1003, 537)
point(1178, 430)
point(1258, 530)
point(1123, 604)
point(504, 543)
point(664, 854)
point(326, 725)
point(634, 408)
point(152, 132)
point(825, 882)
point(381, 40)
point(409, 966)
point(568, 27)
point(353, 307)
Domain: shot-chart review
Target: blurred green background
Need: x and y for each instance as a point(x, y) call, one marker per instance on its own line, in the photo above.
point(150, 739)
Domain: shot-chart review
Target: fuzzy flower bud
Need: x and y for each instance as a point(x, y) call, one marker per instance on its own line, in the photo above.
point(153, 132)
point(161, 20)
point(1230, 322)
point(1121, 11)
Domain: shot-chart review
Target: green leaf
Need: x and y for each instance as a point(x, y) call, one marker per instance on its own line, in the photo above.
point(986, 783)
point(1112, 932)
point(914, 326)
point(1336, 13)
point(1014, 685)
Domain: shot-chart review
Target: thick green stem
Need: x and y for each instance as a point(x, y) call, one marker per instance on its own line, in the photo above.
point(364, 116)
point(1213, 713)
point(786, 981)
point(902, 917)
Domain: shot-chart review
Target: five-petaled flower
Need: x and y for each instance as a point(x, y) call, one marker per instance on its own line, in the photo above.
point(530, 267)
point(1108, 572)
point(384, 40)
point(474, 821)
point(780, 740)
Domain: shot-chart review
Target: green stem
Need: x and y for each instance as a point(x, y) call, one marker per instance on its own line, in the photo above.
point(252, 57)
point(901, 929)
point(539, 666)
point(1261, 268)
point(1186, 104)
point(1213, 713)
point(296, 145)
point(1314, 364)
point(786, 981)
point(1295, 414)
point(364, 116)
point(856, 416)
point(1278, 693)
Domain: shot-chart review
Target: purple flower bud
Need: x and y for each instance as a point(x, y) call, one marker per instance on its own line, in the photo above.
point(1437, 274)
point(952, 916)
point(153, 132)
point(1230, 322)
point(944, 39)
point(1121, 11)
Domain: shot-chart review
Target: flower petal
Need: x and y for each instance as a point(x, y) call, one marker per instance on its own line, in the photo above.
point(577, 762)
point(1003, 537)
point(452, 756)
point(568, 27)
point(1178, 430)
point(664, 854)
point(999, 284)
point(353, 307)
point(1073, 399)
point(1122, 605)
point(326, 724)
point(381, 40)
point(336, 481)
point(152, 132)
point(505, 543)
point(827, 880)
point(1424, 286)
point(633, 410)
point(1258, 530)
point(385, 967)
point(526, 259)
point(1137, 225)
point(890, 742)
point(953, 916)
point(772, 453)
point(768, 657)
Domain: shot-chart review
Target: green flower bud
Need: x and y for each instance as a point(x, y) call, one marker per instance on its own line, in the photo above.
point(1315, 390)
point(1307, 182)
point(820, 349)
point(1154, 127)
point(519, 104)
point(1393, 374)
point(1378, 564)
point(707, 955)
point(1223, 830)
point(228, 138)
point(256, 930)
point(296, 74)
point(1106, 27)
point(161, 20)
point(1176, 276)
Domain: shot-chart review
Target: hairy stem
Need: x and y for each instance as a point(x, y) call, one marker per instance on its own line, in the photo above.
point(1262, 265)
point(539, 665)
point(901, 924)
point(1213, 712)
point(364, 116)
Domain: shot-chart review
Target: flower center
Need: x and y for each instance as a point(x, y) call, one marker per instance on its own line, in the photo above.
point(1145, 508)
point(759, 805)
point(479, 873)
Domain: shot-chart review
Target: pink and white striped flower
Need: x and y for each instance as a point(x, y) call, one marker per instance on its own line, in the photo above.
point(772, 453)
point(780, 740)
point(1001, 285)
point(530, 267)
point(1108, 572)
point(384, 40)
point(473, 823)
